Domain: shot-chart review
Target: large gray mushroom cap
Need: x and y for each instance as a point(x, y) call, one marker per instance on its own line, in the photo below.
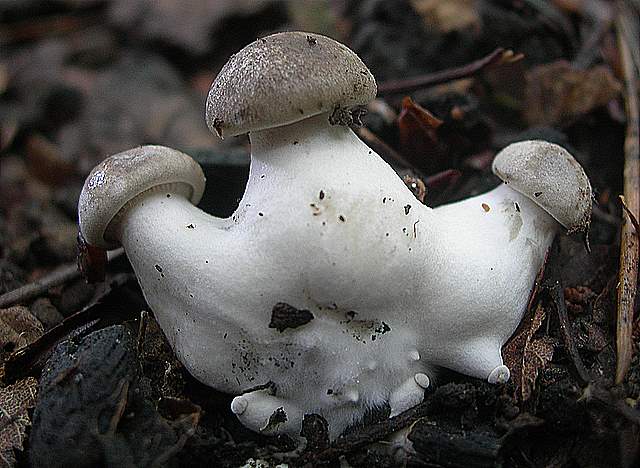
point(284, 78)
point(551, 177)
point(122, 177)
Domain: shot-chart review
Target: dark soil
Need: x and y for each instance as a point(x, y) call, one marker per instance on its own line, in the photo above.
point(82, 80)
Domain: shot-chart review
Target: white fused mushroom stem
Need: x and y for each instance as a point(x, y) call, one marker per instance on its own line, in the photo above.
point(326, 226)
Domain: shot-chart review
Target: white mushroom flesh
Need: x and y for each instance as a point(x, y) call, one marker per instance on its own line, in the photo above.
point(325, 225)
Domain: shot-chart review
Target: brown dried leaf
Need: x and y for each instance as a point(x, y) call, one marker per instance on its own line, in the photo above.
point(537, 354)
point(526, 356)
point(418, 137)
point(448, 15)
point(15, 401)
point(18, 328)
point(557, 93)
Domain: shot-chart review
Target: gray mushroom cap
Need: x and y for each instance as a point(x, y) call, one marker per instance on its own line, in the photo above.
point(122, 177)
point(284, 78)
point(551, 177)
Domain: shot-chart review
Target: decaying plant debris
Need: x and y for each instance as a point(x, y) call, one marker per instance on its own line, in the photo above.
point(459, 80)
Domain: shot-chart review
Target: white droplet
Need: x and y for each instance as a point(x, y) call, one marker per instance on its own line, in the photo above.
point(422, 380)
point(239, 405)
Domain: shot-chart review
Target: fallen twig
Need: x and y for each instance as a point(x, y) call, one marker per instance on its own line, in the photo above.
point(366, 436)
point(105, 306)
point(557, 294)
point(408, 85)
point(553, 283)
point(382, 148)
point(628, 272)
point(59, 276)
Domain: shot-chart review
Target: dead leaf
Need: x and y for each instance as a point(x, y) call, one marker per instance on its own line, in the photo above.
point(448, 15)
point(419, 139)
point(577, 299)
point(557, 93)
point(537, 354)
point(526, 356)
point(15, 401)
point(18, 328)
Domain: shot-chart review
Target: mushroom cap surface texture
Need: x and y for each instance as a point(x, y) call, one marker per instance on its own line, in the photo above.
point(122, 177)
point(550, 177)
point(284, 78)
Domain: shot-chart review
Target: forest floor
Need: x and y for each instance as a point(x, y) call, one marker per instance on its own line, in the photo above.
point(88, 379)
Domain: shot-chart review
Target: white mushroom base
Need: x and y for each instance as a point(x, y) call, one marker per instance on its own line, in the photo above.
point(395, 287)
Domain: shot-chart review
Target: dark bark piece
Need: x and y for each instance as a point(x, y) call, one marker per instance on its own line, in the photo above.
point(448, 449)
point(359, 439)
point(91, 413)
point(80, 390)
point(316, 430)
point(285, 316)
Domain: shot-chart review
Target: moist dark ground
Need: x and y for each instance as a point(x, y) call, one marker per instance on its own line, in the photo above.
point(82, 80)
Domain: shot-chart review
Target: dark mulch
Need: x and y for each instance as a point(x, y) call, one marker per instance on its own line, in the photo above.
point(82, 80)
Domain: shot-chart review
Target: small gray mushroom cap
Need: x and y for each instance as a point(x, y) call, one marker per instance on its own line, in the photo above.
point(122, 177)
point(284, 78)
point(551, 177)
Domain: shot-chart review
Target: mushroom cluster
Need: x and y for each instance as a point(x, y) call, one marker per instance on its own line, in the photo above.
point(331, 289)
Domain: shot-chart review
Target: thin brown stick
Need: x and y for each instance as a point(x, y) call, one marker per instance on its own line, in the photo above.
point(628, 272)
point(32, 290)
point(557, 294)
point(380, 147)
point(553, 284)
point(61, 275)
point(366, 436)
point(499, 55)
